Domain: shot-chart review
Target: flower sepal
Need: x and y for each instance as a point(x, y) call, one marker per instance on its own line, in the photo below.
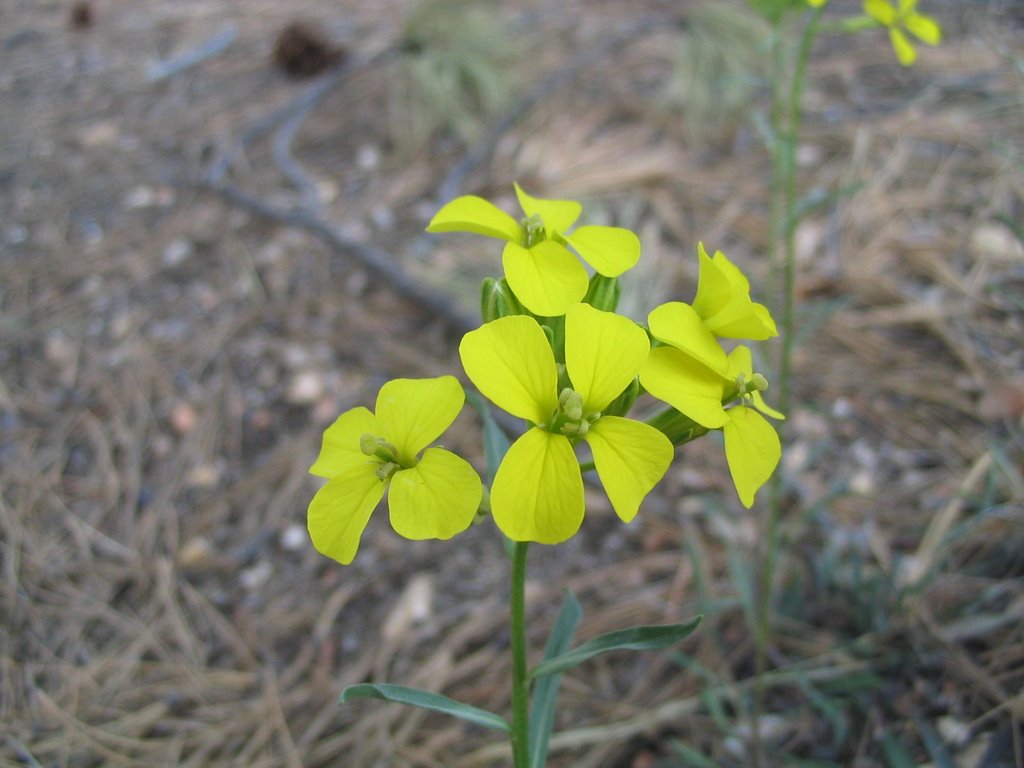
point(498, 300)
point(677, 427)
point(603, 293)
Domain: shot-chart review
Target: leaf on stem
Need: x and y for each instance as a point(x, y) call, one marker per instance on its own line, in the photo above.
point(633, 639)
point(545, 694)
point(415, 697)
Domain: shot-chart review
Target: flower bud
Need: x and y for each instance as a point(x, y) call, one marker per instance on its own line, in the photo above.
point(533, 230)
point(570, 403)
point(497, 300)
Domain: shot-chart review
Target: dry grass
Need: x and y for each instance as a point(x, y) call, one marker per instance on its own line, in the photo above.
point(167, 364)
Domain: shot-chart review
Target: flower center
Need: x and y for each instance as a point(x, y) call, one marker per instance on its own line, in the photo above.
point(533, 230)
point(569, 419)
point(384, 452)
point(746, 387)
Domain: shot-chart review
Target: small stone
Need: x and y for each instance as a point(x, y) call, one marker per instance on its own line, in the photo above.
point(863, 483)
point(183, 418)
point(177, 251)
point(255, 577)
point(203, 477)
point(294, 538)
point(995, 242)
point(305, 388)
point(140, 197)
point(198, 554)
point(367, 157)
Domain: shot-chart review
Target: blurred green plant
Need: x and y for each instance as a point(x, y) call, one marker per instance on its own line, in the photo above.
point(717, 69)
point(454, 72)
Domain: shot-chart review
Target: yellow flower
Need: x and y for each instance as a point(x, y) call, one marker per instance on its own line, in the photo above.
point(904, 16)
point(816, 3)
point(433, 496)
point(543, 273)
point(695, 376)
point(537, 494)
point(723, 301)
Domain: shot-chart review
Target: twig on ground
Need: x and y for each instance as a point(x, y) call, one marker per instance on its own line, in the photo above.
point(381, 264)
point(302, 105)
point(212, 46)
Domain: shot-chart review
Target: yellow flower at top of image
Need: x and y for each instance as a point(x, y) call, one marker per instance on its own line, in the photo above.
point(692, 373)
point(433, 496)
point(904, 16)
point(816, 3)
point(542, 272)
point(537, 493)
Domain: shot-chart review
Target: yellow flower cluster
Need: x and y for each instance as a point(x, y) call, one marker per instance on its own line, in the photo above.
point(555, 354)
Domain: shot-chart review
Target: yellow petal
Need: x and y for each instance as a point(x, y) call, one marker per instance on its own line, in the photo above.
point(340, 510)
point(741, 361)
point(904, 50)
point(546, 278)
point(603, 353)
point(537, 494)
point(714, 286)
point(686, 385)
point(679, 324)
point(752, 449)
point(631, 458)
point(881, 11)
point(557, 215)
point(340, 449)
point(436, 499)
point(510, 362)
point(926, 29)
point(609, 250)
point(412, 413)
point(763, 407)
point(723, 302)
point(474, 214)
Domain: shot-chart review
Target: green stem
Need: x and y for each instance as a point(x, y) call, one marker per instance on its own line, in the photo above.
point(789, 220)
point(520, 681)
point(786, 118)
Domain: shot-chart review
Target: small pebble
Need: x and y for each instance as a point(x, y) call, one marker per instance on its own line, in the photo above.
point(255, 577)
point(183, 418)
point(305, 388)
point(198, 554)
point(177, 251)
point(294, 538)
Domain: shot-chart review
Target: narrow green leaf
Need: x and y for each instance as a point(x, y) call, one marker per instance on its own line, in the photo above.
point(414, 697)
point(545, 692)
point(632, 639)
point(496, 442)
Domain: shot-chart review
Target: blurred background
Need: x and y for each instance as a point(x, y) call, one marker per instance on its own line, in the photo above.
point(211, 228)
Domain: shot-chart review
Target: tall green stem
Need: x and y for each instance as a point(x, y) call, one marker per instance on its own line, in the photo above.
point(794, 115)
point(520, 682)
point(786, 118)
